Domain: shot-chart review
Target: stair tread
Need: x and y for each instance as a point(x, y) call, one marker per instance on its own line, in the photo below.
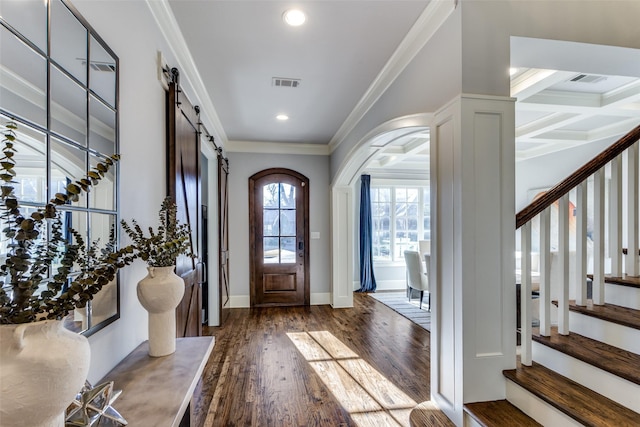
point(499, 413)
point(610, 312)
point(630, 281)
point(619, 362)
point(578, 402)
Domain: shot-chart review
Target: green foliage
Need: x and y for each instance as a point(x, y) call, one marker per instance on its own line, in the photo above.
point(161, 248)
point(33, 289)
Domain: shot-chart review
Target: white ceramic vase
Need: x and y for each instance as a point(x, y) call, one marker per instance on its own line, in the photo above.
point(42, 368)
point(160, 292)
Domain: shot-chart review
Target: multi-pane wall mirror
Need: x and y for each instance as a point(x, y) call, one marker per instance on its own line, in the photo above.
point(59, 83)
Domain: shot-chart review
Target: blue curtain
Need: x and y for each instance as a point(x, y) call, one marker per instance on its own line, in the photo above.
point(367, 279)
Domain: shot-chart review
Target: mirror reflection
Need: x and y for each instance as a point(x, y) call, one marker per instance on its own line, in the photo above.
point(102, 125)
point(29, 17)
point(102, 73)
point(67, 164)
point(68, 41)
point(23, 79)
point(82, 101)
point(68, 107)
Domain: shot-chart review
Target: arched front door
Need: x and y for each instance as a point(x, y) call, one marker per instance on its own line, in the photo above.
point(279, 234)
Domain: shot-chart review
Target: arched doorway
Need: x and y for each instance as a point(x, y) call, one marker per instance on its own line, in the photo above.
point(343, 211)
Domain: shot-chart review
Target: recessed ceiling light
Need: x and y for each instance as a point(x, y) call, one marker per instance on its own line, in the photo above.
point(513, 71)
point(282, 117)
point(294, 17)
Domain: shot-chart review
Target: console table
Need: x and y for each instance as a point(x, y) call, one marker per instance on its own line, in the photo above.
point(157, 391)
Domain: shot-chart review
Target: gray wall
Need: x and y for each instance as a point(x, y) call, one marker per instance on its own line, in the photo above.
point(242, 166)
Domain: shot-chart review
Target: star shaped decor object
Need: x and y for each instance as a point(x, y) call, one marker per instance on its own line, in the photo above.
point(92, 407)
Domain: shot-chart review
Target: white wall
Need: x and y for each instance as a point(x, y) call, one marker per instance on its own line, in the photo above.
point(550, 169)
point(316, 168)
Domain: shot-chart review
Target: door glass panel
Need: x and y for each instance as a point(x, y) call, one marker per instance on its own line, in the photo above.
point(23, 79)
point(287, 250)
point(279, 220)
point(270, 221)
point(271, 246)
point(270, 196)
point(288, 223)
point(287, 196)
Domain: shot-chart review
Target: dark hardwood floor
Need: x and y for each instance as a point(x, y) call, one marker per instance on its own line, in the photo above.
point(314, 366)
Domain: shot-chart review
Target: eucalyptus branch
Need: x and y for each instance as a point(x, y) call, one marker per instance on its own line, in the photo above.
point(31, 253)
point(161, 248)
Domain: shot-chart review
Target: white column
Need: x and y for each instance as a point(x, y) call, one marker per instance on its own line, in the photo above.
point(341, 247)
point(473, 327)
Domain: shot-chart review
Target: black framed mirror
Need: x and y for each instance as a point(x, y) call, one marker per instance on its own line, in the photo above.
point(59, 83)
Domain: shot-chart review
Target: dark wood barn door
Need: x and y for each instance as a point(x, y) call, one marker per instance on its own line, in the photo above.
point(279, 234)
point(183, 182)
point(223, 232)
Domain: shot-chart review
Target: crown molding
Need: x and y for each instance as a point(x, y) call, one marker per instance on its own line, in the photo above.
point(166, 21)
point(277, 148)
point(433, 16)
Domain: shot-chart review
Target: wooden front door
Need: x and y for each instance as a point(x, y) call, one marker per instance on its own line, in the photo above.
point(279, 234)
point(223, 233)
point(183, 182)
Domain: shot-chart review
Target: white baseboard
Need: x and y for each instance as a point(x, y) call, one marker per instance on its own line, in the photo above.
point(320, 298)
point(240, 301)
point(244, 301)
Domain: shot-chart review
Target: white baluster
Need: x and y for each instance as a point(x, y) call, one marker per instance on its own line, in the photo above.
point(563, 265)
point(598, 237)
point(581, 244)
point(632, 266)
point(545, 272)
point(615, 217)
point(525, 295)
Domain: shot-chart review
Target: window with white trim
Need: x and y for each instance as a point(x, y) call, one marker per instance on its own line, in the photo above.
point(400, 217)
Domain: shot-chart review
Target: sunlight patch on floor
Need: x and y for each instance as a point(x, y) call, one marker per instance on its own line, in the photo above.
point(369, 397)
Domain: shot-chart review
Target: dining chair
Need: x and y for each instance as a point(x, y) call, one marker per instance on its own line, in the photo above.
point(417, 277)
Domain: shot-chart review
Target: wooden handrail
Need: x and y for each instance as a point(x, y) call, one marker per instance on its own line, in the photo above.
point(547, 199)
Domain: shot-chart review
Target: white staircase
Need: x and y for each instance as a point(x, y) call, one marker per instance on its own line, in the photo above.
point(582, 365)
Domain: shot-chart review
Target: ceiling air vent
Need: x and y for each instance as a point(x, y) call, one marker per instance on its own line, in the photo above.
point(587, 78)
point(285, 82)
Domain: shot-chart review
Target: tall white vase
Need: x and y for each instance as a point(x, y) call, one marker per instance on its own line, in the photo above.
point(160, 292)
point(42, 368)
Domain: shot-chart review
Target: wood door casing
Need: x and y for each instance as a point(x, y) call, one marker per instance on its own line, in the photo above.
point(183, 185)
point(283, 281)
point(223, 233)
